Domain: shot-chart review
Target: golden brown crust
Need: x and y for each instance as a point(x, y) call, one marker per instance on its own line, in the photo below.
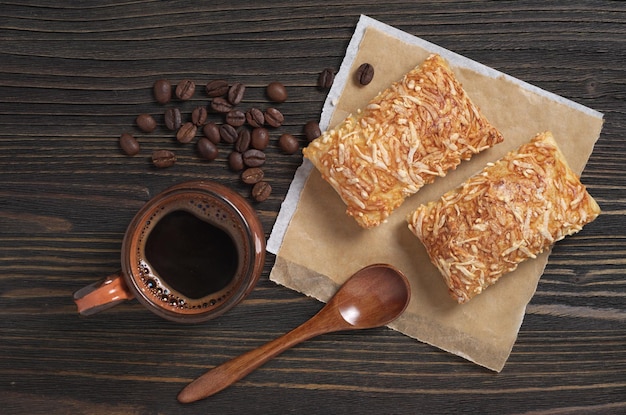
point(513, 210)
point(417, 129)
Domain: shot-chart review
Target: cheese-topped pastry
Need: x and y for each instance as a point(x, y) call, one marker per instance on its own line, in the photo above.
point(415, 130)
point(511, 211)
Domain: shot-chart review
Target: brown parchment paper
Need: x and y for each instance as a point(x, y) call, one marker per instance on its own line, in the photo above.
point(320, 246)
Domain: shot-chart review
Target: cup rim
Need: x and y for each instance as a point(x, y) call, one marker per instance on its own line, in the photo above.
point(253, 237)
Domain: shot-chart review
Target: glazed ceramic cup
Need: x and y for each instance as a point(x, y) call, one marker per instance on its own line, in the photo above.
point(190, 254)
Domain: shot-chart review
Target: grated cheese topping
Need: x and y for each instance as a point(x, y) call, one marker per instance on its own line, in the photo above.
point(414, 131)
point(511, 211)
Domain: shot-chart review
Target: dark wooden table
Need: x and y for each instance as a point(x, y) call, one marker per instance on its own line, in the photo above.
point(73, 77)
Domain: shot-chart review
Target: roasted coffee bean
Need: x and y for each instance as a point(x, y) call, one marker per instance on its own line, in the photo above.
point(252, 175)
point(207, 149)
point(185, 89)
point(254, 158)
point(255, 117)
point(365, 74)
point(273, 117)
point(199, 116)
point(235, 161)
point(212, 132)
point(221, 105)
point(228, 133)
point(260, 138)
point(236, 118)
point(186, 132)
point(288, 143)
point(129, 144)
point(162, 90)
point(235, 93)
point(312, 130)
point(276, 92)
point(326, 78)
point(261, 191)
point(243, 140)
point(173, 119)
point(217, 88)
point(146, 123)
point(163, 158)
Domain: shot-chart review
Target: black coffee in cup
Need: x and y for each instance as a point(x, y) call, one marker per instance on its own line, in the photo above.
point(190, 255)
point(189, 252)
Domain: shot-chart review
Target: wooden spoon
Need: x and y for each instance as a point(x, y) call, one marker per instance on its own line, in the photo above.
point(372, 297)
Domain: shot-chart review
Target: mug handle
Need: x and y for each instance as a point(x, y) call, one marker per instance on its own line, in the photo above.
point(102, 295)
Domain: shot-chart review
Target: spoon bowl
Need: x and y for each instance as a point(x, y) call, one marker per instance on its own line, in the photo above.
point(372, 297)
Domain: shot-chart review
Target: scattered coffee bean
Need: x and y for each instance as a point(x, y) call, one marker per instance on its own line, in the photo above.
point(212, 132)
point(129, 144)
point(249, 143)
point(162, 90)
point(146, 123)
point(185, 89)
point(236, 118)
point(252, 175)
point(186, 132)
point(276, 92)
point(235, 161)
point(199, 116)
point(288, 143)
point(260, 138)
point(326, 78)
point(221, 105)
point(217, 88)
point(163, 158)
point(207, 149)
point(365, 74)
point(261, 191)
point(235, 93)
point(243, 140)
point(312, 130)
point(173, 119)
point(254, 158)
point(228, 133)
point(273, 117)
point(255, 117)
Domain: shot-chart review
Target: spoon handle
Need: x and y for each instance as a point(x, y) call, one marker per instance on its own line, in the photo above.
point(224, 375)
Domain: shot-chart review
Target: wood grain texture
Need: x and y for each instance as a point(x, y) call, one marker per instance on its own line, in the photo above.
point(75, 74)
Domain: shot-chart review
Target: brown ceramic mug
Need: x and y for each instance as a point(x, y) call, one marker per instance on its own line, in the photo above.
point(190, 254)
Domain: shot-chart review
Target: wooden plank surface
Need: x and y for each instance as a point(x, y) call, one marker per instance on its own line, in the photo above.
point(75, 74)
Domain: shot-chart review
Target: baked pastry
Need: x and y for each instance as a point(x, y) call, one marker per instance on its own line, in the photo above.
point(511, 211)
point(415, 130)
